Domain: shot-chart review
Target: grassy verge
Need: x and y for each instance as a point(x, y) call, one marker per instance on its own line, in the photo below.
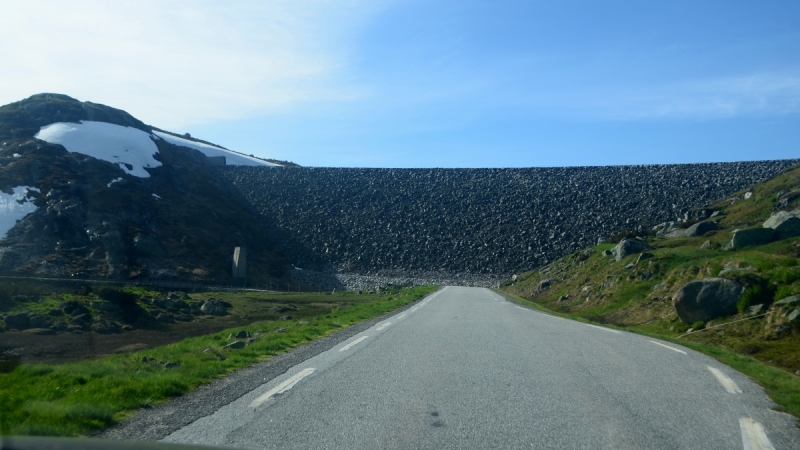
point(781, 386)
point(84, 397)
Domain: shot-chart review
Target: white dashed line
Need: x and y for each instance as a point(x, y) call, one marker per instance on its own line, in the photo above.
point(726, 382)
point(283, 387)
point(414, 308)
point(753, 435)
point(520, 307)
point(383, 326)
point(667, 346)
point(401, 316)
point(603, 328)
point(350, 345)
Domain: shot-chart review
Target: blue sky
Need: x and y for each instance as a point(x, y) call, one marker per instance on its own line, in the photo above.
point(430, 83)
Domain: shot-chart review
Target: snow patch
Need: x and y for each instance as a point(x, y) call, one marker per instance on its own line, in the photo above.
point(156, 196)
point(16, 155)
point(231, 158)
point(14, 207)
point(115, 180)
point(130, 148)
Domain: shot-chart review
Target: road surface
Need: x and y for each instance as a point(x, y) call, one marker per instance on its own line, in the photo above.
point(465, 368)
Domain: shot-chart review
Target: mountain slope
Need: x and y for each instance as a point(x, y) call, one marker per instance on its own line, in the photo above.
point(107, 198)
point(639, 291)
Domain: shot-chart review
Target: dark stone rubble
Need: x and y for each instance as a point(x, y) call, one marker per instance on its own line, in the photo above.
point(496, 222)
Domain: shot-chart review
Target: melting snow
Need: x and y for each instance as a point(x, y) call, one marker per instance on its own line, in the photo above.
point(115, 180)
point(11, 210)
point(231, 158)
point(130, 148)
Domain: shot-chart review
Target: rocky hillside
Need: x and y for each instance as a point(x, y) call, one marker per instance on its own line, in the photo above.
point(729, 277)
point(87, 190)
point(397, 222)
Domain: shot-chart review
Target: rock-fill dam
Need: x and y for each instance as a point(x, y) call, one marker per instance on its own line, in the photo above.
point(473, 221)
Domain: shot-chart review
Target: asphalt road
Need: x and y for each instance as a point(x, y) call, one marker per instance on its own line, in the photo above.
point(467, 369)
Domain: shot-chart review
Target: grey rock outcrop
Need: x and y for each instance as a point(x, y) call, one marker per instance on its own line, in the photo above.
point(19, 321)
point(701, 228)
point(629, 247)
point(752, 236)
point(39, 321)
point(707, 299)
point(234, 345)
point(165, 318)
point(785, 224)
point(788, 301)
point(214, 308)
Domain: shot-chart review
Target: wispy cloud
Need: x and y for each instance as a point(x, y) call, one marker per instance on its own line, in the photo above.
point(173, 63)
point(762, 94)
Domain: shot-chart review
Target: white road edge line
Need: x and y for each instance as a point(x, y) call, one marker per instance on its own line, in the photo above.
point(520, 307)
point(753, 435)
point(283, 387)
point(401, 316)
point(667, 346)
point(350, 345)
point(383, 326)
point(603, 328)
point(726, 382)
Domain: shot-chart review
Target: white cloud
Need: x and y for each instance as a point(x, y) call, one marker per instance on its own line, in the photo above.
point(173, 63)
point(762, 94)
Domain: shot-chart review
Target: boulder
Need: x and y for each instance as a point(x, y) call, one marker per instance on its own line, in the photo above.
point(544, 284)
point(666, 228)
point(80, 318)
point(643, 256)
point(18, 321)
point(753, 236)
point(214, 308)
point(234, 345)
point(37, 321)
point(785, 224)
point(77, 311)
point(788, 301)
point(161, 303)
point(629, 247)
point(177, 304)
point(755, 309)
point(165, 318)
point(106, 306)
point(793, 315)
point(700, 229)
point(242, 334)
point(707, 299)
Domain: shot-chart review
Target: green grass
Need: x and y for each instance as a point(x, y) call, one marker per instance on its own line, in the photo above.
point(81, 398)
